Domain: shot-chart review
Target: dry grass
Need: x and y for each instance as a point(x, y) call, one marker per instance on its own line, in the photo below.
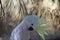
point(12, 14)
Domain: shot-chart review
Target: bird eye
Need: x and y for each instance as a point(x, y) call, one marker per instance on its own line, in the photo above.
point(30, 29)
point(32, 24)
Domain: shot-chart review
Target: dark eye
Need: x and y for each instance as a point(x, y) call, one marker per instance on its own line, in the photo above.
point(32, 24)
point(30, 28)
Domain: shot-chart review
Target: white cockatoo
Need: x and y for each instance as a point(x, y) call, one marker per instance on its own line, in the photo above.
point(27, 29)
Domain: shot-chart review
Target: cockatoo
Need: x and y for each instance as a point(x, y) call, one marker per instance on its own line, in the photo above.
point(27, 29)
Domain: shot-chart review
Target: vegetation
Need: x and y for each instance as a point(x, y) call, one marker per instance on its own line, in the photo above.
point(42, 27)
point(13, 11)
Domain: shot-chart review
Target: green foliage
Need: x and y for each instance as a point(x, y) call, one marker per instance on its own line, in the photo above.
point(42, 27)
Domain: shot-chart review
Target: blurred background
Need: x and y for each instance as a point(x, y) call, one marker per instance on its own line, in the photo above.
point(13, 11)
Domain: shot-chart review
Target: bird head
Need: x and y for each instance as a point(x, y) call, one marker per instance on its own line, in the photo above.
point(31, 22)
point(35, 26)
